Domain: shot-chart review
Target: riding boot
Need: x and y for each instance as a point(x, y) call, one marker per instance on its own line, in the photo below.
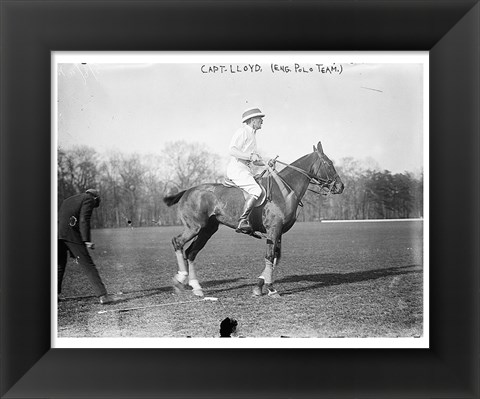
point(244, 225)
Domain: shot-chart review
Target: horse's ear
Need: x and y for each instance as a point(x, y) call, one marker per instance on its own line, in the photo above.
point(319, 147)
point(314, 149)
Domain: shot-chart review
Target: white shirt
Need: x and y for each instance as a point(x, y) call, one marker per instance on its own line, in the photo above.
point(238, 169)
point(244, 140)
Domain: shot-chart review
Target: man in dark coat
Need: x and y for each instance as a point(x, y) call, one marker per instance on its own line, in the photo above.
point(74, 238)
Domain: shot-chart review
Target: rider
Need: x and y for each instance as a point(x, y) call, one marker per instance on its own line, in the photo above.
point(243, 151)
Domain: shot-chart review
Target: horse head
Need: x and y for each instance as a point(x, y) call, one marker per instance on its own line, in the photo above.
point(324, 173)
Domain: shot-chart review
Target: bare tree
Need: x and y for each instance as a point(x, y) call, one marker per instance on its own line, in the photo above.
point(190, 164)
point(132, 186)
point(76, 171)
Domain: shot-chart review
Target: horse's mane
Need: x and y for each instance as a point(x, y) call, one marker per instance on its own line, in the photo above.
point(298, 163)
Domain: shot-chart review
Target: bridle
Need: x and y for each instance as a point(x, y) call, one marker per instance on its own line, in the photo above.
point(326, 184)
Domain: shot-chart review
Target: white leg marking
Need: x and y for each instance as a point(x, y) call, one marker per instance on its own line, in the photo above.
point(193, 282)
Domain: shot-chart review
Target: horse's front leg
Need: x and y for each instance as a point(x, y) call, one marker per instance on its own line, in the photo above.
point(272, 257)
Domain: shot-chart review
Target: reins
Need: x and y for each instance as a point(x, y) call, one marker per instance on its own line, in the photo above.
point(325, 184)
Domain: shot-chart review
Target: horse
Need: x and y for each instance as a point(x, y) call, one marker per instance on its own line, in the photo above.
point(204, 207)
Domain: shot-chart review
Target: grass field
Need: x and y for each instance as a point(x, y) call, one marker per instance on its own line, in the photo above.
point(335, 279)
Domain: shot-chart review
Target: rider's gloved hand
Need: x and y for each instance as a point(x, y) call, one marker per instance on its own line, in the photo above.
point(255, 157)
point(257, 160)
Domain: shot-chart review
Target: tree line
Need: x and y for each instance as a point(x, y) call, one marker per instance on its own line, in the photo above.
point(132, 186)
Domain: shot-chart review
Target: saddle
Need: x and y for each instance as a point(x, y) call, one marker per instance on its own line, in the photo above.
point(229, 183)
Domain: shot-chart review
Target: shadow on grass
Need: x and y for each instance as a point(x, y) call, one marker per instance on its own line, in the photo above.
point(136, 294)
point(331, 279)
point(320, 280)
point(149, 292)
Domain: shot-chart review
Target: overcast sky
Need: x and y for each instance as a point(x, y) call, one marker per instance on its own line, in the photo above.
point(357, 104)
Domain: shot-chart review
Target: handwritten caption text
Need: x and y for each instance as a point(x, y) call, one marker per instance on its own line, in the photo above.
point(273, 68)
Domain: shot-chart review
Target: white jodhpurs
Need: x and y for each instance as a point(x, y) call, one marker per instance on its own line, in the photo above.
point(242, 176)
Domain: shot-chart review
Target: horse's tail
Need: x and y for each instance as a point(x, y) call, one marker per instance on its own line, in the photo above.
point(173, 199)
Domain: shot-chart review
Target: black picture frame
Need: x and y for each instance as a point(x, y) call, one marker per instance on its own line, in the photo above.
point(30, 30)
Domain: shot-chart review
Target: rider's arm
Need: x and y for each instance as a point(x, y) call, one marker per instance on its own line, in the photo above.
point(235, 152)
point(255, 158)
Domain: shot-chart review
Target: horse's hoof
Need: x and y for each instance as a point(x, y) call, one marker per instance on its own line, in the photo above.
point(273, 293)
point(198, 292)
point(178, 287)
point(258, 290)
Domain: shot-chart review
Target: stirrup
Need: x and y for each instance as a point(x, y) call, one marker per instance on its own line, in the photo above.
point(245, 228)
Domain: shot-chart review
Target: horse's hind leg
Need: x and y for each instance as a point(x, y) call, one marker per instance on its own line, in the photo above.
point(180, 279)
point(191, 253)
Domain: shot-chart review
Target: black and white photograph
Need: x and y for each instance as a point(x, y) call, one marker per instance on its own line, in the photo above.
point(239, 199)
point(276, 198)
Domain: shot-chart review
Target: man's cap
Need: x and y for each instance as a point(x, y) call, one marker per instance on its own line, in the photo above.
point(228, 323)
point(251, 113)
point(228, 326)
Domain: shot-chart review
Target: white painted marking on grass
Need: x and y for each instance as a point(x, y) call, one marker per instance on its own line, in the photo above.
point(147, 307)
point(70, 298)
point(210, 298)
